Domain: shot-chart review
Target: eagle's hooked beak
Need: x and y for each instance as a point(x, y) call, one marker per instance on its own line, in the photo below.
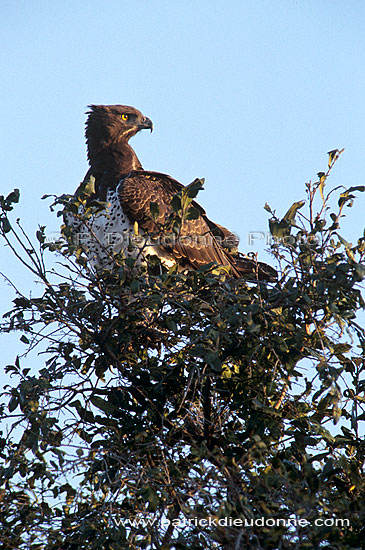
point(147, 124)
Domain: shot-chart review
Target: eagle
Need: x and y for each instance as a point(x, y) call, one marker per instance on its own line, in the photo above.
point(135, 206)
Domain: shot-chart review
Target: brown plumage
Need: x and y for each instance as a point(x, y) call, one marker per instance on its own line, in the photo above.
point(119, 177)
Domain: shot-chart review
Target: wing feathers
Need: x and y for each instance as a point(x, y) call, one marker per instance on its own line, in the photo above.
point(200, 241)
point(195, 244)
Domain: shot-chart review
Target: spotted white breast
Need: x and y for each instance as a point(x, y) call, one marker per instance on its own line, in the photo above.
point(110, 232)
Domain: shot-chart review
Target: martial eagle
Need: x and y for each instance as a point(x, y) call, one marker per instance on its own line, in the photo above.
point(129, 194)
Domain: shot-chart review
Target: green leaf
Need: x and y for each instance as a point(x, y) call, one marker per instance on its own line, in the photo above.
point(103, 405)
point(155, 210)
point(135, 286)
point(337, 413)
point(130, 262)
point(344, 242)
point(360, 188)
point(13, 403)
point(193, 213)
point(332, 156)
point(347, 196)
point(212, 358)
point(87, 364)
point(176, 203)
point(279, 229)
point(40, 236)
point(322, 183)
point(13, 196)
point(5, 225)
point(194, 187)
point(360, 271)
point(88, 187)
point(290, 215)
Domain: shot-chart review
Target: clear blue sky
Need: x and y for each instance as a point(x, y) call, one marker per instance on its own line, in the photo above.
point(248, 94)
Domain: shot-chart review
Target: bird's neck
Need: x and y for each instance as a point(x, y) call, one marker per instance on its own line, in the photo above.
point(109, 164)
point(115, 160)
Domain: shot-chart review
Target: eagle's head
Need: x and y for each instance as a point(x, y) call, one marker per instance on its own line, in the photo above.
point(108, 124)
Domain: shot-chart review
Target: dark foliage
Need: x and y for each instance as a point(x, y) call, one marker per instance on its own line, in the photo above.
point(168, 397)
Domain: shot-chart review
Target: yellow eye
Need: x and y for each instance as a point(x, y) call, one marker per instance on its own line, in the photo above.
point(124, 116)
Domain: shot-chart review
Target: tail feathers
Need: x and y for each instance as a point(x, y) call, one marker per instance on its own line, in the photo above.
point(249, 268)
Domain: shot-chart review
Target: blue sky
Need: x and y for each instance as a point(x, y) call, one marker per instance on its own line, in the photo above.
point(249, 95)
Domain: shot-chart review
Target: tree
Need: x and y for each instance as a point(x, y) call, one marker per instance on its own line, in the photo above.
point(189, 410)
